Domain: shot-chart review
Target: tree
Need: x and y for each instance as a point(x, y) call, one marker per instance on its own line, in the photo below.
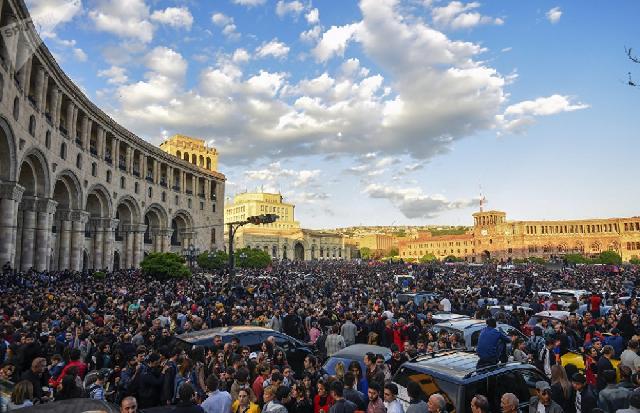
point(428, 258)
point(609, 257)
point(164, 265)
point(393, 252)
point(212, 261)
point(576, 259)
point(537, 260)
point(252, 258)
point(634, 260)
point(365, 253)
point(452, 258)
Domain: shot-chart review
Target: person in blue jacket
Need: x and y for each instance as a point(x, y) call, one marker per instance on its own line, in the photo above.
point(491, 343)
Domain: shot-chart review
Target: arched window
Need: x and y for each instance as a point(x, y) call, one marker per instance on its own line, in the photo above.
point(208, 163)
point(164, 196)
point(123, 182)
point(194, 159)
point(1, 87)
point(16, 108)
point(94, 169)
point(179, 154)
point(79, 161)
point(32, 125)
point(47, 139)
point(109, 176)
point(186, 157)
point(63, 150)
point(150, 192)
point(136, 187)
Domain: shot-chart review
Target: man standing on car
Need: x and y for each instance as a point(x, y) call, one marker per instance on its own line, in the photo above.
point(491, 344)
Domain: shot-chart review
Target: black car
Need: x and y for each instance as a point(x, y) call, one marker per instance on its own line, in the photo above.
point(453, 374)
point(252, 337)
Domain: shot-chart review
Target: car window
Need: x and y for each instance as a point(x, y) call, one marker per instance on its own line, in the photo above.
point(428, 384)
point(507, 382)
point(530, 377)
point(473, 388)
point(283, 342)
point(474, 338)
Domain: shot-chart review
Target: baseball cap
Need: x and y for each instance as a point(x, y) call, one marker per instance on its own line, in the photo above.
point(542, 385)
point(253, 356)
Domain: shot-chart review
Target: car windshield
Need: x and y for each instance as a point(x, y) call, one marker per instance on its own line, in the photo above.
point(428, 384)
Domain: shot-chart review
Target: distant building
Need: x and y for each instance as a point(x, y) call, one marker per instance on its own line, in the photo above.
point(283, 239)
point(493, 237)
point(192, 150)
point(376, 243)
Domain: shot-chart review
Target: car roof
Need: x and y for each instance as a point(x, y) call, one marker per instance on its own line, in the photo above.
point(567, 291)
point(196, 336)
point(357, 351)
point(458, 366)
point(461, 324)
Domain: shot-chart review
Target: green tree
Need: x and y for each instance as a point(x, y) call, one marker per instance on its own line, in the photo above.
point(164, 265)
point(537, 260)
point(252, 258)
point(634, 260)
point(393, 252)
point(212, 261)
point(365, 253)
point(428, 258)
point(452, 258)
point(609, 257)
point(576, 259)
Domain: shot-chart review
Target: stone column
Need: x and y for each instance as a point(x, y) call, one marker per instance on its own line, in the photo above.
point(39, 86)
point(127, 254)
point(46, 208)
point(29, 216)
point(98, 242)
point(109, 227)
point(138, 244)
point(10, 198)
point(69, 124)
point(64, 239)
point(44, 91)
point(79, 219)
point(165, 239)
point(56, 101)
point(84, 134)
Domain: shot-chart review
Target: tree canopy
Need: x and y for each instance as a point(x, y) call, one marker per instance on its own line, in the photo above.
point(164, 265)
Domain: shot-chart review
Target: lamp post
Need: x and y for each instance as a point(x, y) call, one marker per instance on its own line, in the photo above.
point(190, 253)
point(233, 228)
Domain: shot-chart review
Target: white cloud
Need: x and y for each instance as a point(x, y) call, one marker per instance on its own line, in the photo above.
point(334, 41)
point(241, 56)
point(273, 48)
point(313, 16)
point(48, 14)
point(312, 35)
point(80, 55)
point(166, 62)
point(227, 24)
point(519, 116)
point(115, 75)
point(554, 14)
point(174, 16)
point(274, 173)
point(457, 15)
point(250, 3)
point(128, 19)
point(291, 7)
point(413, 202)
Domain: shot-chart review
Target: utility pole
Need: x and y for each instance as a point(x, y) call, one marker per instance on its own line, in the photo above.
point(233, 228)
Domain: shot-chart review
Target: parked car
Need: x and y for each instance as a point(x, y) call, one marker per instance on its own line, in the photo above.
point(252, 337)
point(418, 297)
point(443, 316)
point(453, 374)
point(469, 330)
point(355, 352)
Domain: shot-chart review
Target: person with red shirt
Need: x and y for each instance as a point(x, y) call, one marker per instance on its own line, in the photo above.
point(594, 305)
point(322, 400)
point(74, 361)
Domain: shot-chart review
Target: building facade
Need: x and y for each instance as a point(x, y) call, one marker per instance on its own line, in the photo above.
point(192, 150)
point(283, 239)
point(77, 190)
point(494, 237)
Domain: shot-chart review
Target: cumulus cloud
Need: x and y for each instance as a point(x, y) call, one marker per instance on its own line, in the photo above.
point(313, 16)
point(174, 16)
point(458, 15)
point(275, 173)
point(519, 116)
point(334, 41)
point(227, 24)
point(413, 202)
point(273, 48)
point(123, 19)
point(312, 35)
point(166, 62)
point(289, 7)
point(49, 14)
point(554, 14)
point(115, 75)
point(80, 55)
point(250, 3)
point(241, 56)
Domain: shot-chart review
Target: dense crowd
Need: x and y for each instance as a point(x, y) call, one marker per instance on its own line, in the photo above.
point(66, 335)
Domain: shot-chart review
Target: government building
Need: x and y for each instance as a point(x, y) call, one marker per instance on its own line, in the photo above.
point(283, 239)
point(494, 237)
point(79, 191)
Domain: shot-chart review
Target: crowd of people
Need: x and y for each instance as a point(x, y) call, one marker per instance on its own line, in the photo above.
point(66, 335)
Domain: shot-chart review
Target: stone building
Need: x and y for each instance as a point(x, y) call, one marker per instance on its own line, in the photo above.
point(77, 190)
point(192, 150)
point(283, 239)
point(494, 237)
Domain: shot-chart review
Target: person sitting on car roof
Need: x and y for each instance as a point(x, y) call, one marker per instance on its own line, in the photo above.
point(491, 344)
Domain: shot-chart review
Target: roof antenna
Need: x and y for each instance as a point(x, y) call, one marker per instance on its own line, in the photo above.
point(481, 199)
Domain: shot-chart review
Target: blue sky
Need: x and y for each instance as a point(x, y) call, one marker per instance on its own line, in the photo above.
point(376, 112)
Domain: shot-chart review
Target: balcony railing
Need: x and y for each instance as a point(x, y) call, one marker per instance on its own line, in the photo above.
point(122, 165)
point(93, 150)
point(64, 131)
point(78, 141)
point(163, 183)
point(136, 173)
point(201, 195)
point(213, 196)
point(107, 159)
point(149, 178)
point(189, 192)
point(176, 188)
point(32, 100)
point(48, 118)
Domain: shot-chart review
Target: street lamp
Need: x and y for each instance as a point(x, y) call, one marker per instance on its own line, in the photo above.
point(190, 254)
point(233, 228)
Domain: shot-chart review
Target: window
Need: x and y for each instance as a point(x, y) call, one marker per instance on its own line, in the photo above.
point(63, 151)
point(189, 202)
point(47, 139)
point(123, 182)
point(177, 200)
point(164, 197)
point(16, 108)
point(214, 208)
point(79, 161)
point(201, 206)
point(1, 87)
point(428, 384)
point(150, 192)
point(136, 187)
point(32, 125)
point(109, 176)
point(94, 169)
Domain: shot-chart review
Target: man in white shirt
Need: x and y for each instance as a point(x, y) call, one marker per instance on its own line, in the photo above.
point(217, 401)
point(630, 357)
point(445, 305)
point(390, 398)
